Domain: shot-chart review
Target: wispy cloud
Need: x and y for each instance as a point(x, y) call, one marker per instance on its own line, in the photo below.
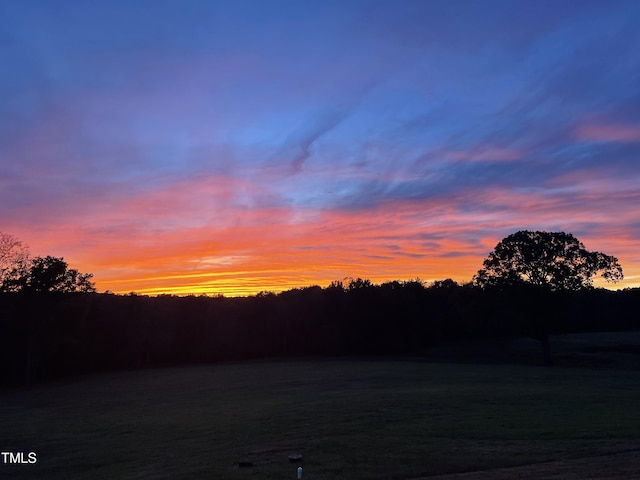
point(298, 146)
point(609, 133)
point(239, 147)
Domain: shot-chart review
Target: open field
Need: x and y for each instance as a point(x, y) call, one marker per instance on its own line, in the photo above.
point(349, 419)
point(613, 350)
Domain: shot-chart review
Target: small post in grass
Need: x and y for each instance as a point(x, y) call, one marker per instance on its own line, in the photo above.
point(299, 473)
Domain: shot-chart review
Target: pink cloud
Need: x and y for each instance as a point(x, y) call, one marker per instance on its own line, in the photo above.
point(214, 234)
point(609, 133)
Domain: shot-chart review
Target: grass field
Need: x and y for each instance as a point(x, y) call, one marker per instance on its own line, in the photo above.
point(349, 420)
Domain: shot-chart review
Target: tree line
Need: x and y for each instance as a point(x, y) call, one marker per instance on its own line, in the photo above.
point(60, 334)
point(65, 329)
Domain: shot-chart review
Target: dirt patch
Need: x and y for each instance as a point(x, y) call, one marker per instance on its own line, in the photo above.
point(614, 466)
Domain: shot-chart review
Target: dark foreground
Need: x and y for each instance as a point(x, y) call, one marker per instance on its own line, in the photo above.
point(624, 465)
point(349, 420)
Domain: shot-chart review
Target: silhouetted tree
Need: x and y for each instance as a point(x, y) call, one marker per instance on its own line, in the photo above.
point(550, 260)
point(35, 282)
point(358, 283)
point(531, 265)
point(14, 259)
point(49, 274)
point(446, 283)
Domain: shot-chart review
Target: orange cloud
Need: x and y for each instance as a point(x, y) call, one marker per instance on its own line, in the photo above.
point(220, 235)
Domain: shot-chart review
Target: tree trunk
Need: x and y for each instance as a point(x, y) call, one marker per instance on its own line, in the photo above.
point(546, 348)
point(29, 360)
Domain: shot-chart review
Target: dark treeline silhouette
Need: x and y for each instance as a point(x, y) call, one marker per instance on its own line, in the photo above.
point(54, 334)
point(536, 284)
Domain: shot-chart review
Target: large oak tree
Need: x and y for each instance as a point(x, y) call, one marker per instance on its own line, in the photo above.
point(530, 266)
point(550, 260)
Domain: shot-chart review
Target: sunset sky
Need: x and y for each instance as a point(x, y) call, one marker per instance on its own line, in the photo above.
point(229, 147)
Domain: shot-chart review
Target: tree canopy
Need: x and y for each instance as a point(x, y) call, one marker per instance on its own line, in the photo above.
point(19, 272)
point(551, 260)
point(52, 274)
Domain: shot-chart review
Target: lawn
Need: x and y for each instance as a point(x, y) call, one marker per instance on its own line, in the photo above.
point(349, 420)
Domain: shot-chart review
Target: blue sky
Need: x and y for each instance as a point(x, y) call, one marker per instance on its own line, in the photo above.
point(232, 147)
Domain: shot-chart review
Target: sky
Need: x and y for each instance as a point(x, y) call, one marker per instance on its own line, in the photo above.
point(233, 147)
